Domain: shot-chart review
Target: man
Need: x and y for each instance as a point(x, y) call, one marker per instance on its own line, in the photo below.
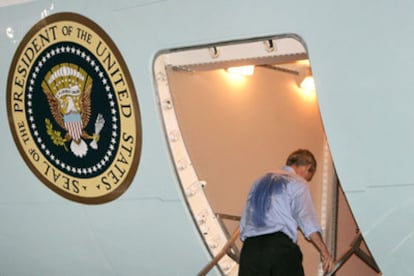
point(277, 205)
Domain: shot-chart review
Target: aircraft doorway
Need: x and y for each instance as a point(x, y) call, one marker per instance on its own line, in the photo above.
point(225, 130)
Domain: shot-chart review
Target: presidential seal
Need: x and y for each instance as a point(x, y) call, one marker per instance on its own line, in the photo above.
point(73, 110)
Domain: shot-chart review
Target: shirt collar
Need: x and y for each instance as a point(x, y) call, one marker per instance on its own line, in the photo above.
point(288, 169)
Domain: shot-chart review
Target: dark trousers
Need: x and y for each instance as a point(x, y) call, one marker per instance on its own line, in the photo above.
point(270, 255)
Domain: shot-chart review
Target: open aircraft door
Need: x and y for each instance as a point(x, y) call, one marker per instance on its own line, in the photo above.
point(226, 129)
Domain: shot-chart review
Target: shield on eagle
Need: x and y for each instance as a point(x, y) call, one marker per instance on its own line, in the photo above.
point(68, 90)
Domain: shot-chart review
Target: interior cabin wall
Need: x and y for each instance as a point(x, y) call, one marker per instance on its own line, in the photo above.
point(236, 130)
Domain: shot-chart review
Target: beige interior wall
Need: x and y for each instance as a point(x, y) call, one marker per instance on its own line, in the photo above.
point(235, 130)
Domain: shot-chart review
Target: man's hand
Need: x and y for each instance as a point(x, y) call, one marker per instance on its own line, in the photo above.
point(328, 263)
point(326, 258)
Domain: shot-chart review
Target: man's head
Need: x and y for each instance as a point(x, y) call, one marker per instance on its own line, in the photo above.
point(303, 162)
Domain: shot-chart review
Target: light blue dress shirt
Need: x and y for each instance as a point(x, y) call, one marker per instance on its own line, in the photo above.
point(279, 201)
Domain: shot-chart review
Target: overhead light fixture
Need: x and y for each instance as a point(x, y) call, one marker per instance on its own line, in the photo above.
point(247, 70)
point(305, 79)
point(308, 83)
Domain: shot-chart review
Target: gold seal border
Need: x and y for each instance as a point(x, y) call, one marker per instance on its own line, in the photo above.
point(136, 118)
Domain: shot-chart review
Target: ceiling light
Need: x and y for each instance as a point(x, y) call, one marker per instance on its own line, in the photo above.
point(241, 70)
point(308, 83)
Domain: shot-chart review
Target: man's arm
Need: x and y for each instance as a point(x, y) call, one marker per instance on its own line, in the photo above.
point(326, 258)
point(305, 214)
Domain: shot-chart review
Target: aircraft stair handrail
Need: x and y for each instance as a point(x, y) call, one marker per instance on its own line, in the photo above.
point(355, 249)
point(234, 252)
point(225, 250)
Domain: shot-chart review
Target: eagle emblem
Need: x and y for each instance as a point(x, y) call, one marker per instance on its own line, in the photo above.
point(68, 90)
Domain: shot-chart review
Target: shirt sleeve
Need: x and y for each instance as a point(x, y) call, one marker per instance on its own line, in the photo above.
point(304, 211)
